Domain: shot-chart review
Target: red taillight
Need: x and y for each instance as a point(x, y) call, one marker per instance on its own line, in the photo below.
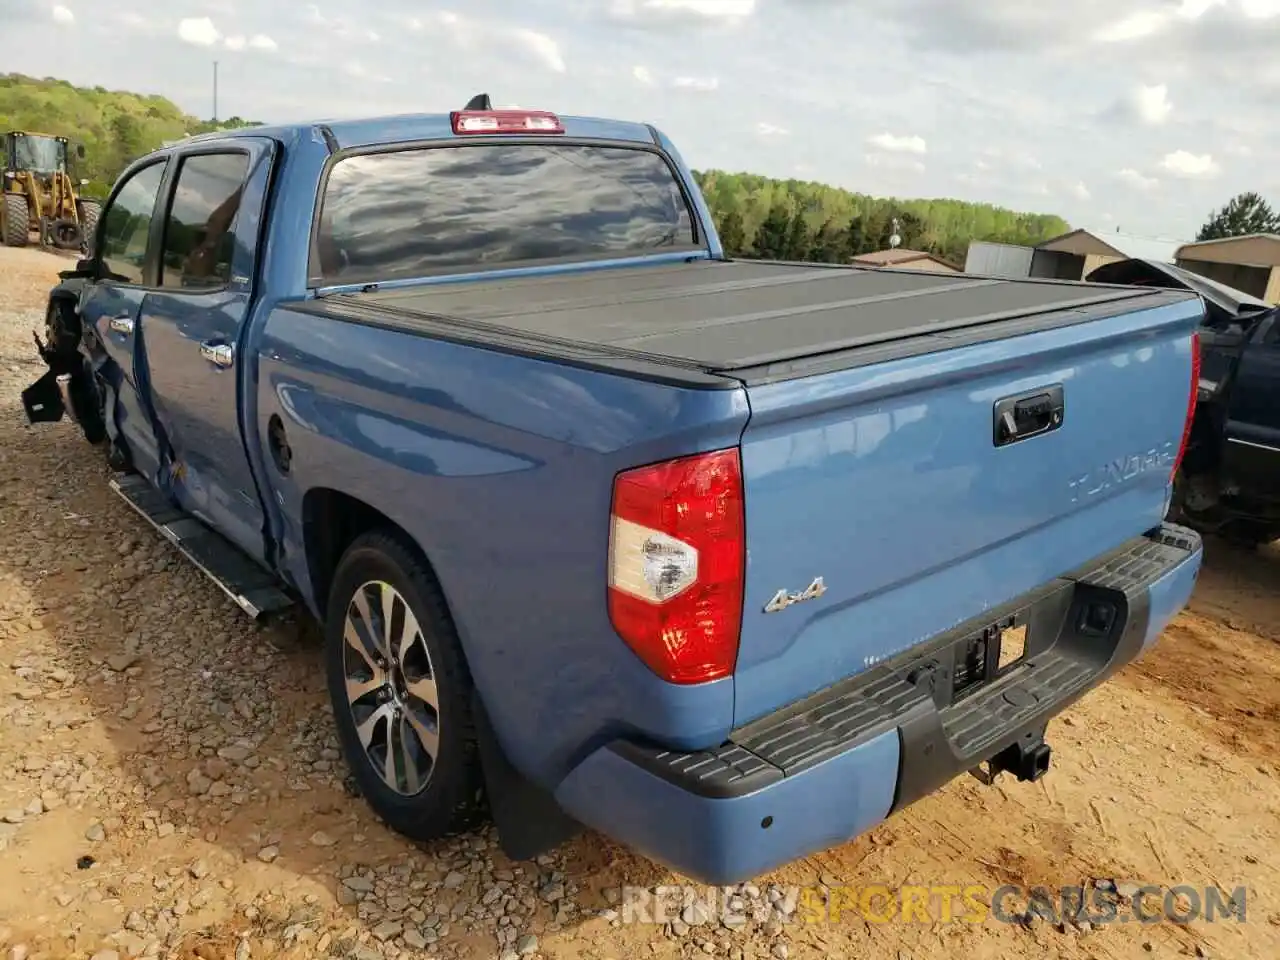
point(1191, 405)
point(505, 121)
point(677, 547)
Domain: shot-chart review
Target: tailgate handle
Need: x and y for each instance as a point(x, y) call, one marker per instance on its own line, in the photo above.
point(1028, 415)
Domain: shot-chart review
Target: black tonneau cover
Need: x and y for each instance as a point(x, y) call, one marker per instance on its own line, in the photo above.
point(754, 318)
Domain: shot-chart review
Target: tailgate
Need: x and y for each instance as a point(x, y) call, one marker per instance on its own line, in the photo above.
point(887, 482)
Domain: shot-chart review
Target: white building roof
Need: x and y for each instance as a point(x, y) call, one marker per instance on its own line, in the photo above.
point(1123, 244)
point(1140, 248)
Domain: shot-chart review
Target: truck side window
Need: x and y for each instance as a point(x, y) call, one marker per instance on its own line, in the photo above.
point(199, 239)
point(126, 225)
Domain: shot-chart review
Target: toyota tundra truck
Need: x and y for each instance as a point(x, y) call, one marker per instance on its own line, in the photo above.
point(726, 559)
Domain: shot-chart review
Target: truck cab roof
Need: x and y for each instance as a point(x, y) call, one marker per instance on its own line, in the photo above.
point(409, 128)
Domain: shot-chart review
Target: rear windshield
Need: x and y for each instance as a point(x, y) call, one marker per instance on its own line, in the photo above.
point(416, 212)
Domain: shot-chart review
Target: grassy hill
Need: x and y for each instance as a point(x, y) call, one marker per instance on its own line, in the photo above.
point(115, 126)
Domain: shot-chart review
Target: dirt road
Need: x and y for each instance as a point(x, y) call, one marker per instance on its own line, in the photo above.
point(170, 784)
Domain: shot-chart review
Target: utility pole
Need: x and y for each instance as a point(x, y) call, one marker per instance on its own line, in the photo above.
point(215, 91)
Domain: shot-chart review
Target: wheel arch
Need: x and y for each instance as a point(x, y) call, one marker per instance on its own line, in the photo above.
point(528, 819)
point(331, 522)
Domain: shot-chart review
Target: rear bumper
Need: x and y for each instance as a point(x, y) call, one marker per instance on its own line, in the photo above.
point(832, 766)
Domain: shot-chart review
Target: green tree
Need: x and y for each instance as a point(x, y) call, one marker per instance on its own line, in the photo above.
point(828, 245)
point(1243, 214)
point(733, 235)
point(773, 233)
point(797, 245)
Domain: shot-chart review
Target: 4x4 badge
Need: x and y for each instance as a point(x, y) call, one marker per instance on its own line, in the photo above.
point(783, 599)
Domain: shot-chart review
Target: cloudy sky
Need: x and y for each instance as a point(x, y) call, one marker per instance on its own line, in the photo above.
point(1140, 115)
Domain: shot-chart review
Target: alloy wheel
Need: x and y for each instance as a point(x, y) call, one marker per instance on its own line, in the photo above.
point(391, 687)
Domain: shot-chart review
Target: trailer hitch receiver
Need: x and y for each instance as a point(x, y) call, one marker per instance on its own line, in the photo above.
point(1027, 759)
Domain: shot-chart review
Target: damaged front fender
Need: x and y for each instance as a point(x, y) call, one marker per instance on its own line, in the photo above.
point(68, 388)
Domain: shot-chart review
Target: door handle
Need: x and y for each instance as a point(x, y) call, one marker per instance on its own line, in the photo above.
point(1029, 415)
point(121, 324)
point(219, 354)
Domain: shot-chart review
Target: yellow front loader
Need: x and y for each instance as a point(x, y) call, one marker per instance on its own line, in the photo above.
point(40, 196)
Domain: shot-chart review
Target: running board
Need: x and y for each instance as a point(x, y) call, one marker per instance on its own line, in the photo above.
point(254, 590)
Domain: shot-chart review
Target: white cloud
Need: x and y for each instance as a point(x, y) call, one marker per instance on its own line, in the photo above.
point(260, 41)
point(665, 12)
point(698, 84)
point(1142, 24)
point(896, 161)
point(1150, 104)
point(771, 129)
point(898, 144)
point(1006, 157)
point(357, 70)
point(137, 23)
point(1132, 178)
point(642, 75)
point(198, 31)
point(339, 26)
point(237, 42)
point(470, 34)
point(62, 15)
point(1136, 26)
point(1080, 191)
point(1190, 166)
point(542, 47)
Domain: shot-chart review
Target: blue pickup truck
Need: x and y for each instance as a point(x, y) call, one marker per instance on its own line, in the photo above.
point(728, 560)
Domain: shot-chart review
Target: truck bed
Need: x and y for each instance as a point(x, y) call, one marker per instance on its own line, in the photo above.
point(753, 320)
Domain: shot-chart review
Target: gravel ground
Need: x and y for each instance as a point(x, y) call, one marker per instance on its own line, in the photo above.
point(170, 784)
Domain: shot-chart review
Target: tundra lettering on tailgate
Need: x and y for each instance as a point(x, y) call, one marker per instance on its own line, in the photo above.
point(1120, 470)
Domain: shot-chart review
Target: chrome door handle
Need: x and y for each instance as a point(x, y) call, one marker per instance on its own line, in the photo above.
point(121, 324)
point(219, 354)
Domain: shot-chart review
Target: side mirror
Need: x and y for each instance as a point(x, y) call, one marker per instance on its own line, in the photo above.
point(80, 150)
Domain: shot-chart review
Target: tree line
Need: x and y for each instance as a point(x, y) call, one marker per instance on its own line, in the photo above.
point(759, 216)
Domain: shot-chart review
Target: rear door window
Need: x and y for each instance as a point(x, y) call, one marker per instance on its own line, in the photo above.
point(199, 239)
point(416, 212)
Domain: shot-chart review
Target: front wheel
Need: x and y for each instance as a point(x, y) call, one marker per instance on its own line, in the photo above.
point(401, 691)
point(62, 333)
point(15, 220)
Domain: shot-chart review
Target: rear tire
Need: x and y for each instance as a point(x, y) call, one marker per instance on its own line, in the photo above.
point(17, 220)
point(382, 675)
